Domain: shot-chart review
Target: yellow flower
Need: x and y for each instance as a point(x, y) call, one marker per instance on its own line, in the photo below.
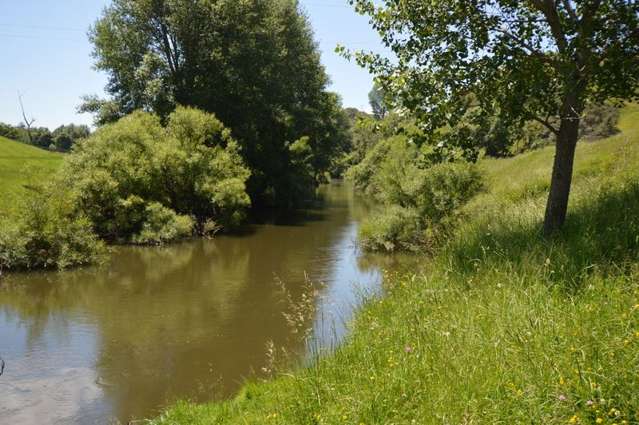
point(574, 419)
point(599, 420)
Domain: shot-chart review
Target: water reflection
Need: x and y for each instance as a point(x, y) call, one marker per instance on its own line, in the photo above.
point(186, 321)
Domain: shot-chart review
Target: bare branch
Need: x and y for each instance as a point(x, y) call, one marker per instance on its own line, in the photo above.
point(27, 122)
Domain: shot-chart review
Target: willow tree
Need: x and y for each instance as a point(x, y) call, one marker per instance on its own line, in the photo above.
point(469, 61)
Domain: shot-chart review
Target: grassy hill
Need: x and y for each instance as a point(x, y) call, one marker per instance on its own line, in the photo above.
point(504, 326)
point(22, 165)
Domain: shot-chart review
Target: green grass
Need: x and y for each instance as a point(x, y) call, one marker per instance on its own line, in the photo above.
point(21, 166)
point(502, 327)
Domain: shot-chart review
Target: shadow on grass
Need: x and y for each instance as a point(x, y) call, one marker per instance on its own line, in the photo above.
point(601, 235)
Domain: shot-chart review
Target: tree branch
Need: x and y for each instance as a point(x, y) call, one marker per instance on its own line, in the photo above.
point(546, 124)
point(534, 52)
point(549, 9)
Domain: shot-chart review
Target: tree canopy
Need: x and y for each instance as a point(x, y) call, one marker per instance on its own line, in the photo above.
point(460, 64)
point(252, 63)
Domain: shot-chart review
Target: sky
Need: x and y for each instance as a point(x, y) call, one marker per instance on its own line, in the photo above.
point(45, 56)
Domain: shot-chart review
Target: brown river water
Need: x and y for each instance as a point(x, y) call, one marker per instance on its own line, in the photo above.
point(188, 321)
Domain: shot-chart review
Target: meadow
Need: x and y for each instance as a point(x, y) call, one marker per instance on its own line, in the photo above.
point(502, 325)
point(22, 166)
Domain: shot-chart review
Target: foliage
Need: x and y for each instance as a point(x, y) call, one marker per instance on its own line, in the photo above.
point(376, 98)
point(61, 139)
point(9, 131)
point(473, 62)
point(417, 202)
point(48, 233)
point(501, 326)
point(392, 229)
point(162, 224)
point(362, 173)
point(191, 166)
point(417, 194)
point(512, 57)
point(366, 132)
point(66, 135)
point(254, 64)
point(598, 121)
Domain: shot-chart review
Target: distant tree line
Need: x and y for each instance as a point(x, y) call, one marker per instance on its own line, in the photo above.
point(61, 139)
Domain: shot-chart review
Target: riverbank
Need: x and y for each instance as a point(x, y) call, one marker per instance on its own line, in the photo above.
point(504, 326)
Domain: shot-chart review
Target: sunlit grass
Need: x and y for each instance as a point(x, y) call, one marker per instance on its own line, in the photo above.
point(504, 326)
point(22, 166)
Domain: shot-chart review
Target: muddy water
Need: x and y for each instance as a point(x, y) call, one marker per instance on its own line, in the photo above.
point(189, 321)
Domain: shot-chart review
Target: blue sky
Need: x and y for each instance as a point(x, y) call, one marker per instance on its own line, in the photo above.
point(45, 55)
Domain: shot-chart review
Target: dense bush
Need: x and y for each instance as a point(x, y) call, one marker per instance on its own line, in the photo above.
point(393, 228)
point(162, 224)
point(48, 233)
point(418, 197)
point(137, 180)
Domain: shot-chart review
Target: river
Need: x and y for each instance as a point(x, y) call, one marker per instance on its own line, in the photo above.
point(188, 321)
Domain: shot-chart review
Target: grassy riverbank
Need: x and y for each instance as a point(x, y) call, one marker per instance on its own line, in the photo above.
point(503, 327)
point(21, 166)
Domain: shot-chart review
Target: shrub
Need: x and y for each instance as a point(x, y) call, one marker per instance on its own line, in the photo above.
point(191, 167)
point(599, 121)
point(392, 229)
point(362, 175)
point(163, 225)
point(48, 233)
point(418, 203)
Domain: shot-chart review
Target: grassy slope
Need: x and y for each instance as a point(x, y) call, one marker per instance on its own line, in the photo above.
point(504, 327)
point(22, 165)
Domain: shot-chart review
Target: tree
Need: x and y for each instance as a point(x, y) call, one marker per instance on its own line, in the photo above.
point(461, 63)
point(66, 135)
point(377, 102)
point(252, 63)
point(28, 122)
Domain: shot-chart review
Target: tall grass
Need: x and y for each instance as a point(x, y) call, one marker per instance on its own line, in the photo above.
point(502, 326)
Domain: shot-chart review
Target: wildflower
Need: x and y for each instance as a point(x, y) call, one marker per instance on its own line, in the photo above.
point(562, 397)
point(574, 419)
point(408, 349)
point(590, 403)
point(599, 420)
point(561, 380)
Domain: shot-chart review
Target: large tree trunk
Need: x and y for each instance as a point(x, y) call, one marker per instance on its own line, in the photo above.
point(557, 205)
